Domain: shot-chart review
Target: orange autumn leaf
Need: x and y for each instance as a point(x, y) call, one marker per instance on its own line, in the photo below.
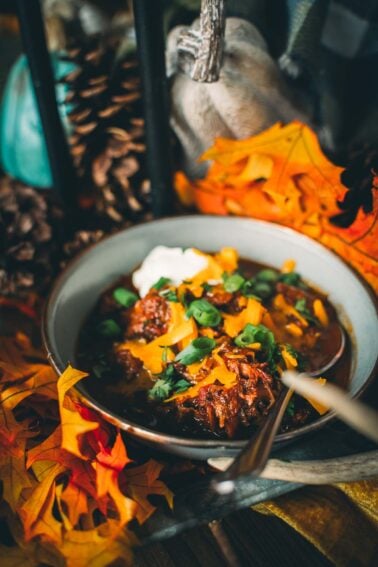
point(41, 382)
point(281, 175)
point(108, 464)
point(48, 450)
point(73, 425)
point(46, 526)
point(98, 547)
point(31, 510)
point(14, 480)
point(142, 481)
point(16, 557)
point(66, 486)
point(75, 501)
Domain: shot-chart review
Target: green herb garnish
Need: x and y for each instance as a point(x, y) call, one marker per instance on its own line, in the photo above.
point(169, 295)
point(109, 329)
point(302, 308)
point(125, 297)
point(257, 334)
point(206, 287)
point(204, 313)
point(298, 357)
point(290, 410)
point(99, 369)
point(232, 282)
point(257, 289)
point(168, 383)
point(161, 389)
point(293, 279)
point(160, 283)
point(196, 351)
point(268, 276)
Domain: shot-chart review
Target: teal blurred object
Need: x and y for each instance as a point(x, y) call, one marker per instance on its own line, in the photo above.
point(23, 152)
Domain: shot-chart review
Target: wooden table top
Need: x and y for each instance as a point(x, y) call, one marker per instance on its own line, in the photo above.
point(248, 539)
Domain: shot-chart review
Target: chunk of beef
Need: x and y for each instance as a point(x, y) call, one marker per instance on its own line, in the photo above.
point(148, 318)
point(127, 365)
point(222, 299)
point(226, 411)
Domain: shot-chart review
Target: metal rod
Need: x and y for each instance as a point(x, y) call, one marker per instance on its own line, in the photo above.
point(151, 48)
point(34, 42)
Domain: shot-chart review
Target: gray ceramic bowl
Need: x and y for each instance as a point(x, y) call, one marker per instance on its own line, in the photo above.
point(78, 288)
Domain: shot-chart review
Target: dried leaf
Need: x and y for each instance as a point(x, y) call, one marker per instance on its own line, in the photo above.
point(67, 487)
point(141, 482)
point(98, 547)
point(75, 500)
point(31, 510)
point(14, 479)
point(16, 557)
point(282, 175)
point(73, 425)
point(46, 525)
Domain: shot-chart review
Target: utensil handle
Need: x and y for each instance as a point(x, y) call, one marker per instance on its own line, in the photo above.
point(253, 458)
point(353, 412)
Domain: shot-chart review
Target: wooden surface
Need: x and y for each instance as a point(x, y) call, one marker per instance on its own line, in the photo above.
point(254, 539)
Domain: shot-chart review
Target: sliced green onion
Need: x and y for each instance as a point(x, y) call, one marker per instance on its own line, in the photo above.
point(301, 307)
point(263, 290)
point(109, 329)
point(257, 289)
point(267, 276)
point(258, 334)
point(204, 313)
point(169, 295)
point(125, 297)
point(196, 351)
point(232, 282)
point(181, 386)
point(292, 278)
point(160, 283)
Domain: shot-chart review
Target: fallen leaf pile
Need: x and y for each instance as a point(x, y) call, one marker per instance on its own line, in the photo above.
point(69, 489)
point(281, 175)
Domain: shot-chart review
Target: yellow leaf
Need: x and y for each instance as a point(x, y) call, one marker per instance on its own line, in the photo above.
point(46, 525)
point(15, 556)
point(34, 505)
point(98, 547)
point(76, 502)
point(72, 424)
point(142, 481)
point(14, 478)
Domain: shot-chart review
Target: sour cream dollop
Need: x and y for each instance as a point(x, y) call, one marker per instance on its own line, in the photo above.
point(173, 263)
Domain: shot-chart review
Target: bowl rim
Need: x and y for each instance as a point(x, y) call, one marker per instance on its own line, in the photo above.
point(149, 435)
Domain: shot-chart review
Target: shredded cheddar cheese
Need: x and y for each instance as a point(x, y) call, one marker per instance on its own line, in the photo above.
point(280, 303)
point(288, 266)
point(289, 360)
point(294, 329)
point(318, 407)
point(320, 312)
point(253, 313)
point(181, 331)
point(218, 374)
point(227, 258)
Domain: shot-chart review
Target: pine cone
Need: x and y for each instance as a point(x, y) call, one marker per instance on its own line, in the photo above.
point(28, 224)
point(108, 134)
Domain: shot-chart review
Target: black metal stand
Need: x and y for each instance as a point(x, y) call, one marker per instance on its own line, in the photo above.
point(34, 41)
point(150, 39)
